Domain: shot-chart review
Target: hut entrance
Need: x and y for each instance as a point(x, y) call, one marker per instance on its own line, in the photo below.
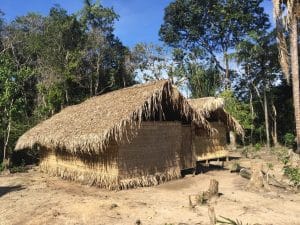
point(187, 160)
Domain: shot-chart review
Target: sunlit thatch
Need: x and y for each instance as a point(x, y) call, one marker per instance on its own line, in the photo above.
point(206, 106)
point(90, 126)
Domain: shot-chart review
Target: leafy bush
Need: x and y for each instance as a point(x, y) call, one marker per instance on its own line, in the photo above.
point(270, 166)
point(257, 147)
point(289, 140)
point(293, 173)
point(1, 167)
point(18, 169)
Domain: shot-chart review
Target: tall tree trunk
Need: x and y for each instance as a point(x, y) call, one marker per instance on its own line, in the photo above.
point(274, 133)
point(8, 129)
point(295, 76)
point(67, 96)
point(91, 85)
point(98, 72)
point(6, 142)
point(227, 75)
point(264, 103)
point(266, 119)
point(252, 116)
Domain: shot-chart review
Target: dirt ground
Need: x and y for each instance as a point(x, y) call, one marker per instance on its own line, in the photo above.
point(36, 198)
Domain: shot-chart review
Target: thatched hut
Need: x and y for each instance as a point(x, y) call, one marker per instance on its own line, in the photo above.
point(210, 146)
point(136, 136)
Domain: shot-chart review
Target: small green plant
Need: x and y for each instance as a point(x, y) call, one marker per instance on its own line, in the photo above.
point(293, 173)
point(282, 155)
point(270, 166)
point(18, 169)
point(1, 167)
point(257, 147)
point(289, 140)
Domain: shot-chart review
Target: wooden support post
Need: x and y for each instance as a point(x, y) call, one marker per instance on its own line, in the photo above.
point(207, 163)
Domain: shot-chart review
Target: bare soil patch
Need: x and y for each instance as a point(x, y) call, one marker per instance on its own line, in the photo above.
point(35, 198)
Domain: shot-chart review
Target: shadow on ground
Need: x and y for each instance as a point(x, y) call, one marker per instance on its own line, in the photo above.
point(209, 165)
point(7, 189)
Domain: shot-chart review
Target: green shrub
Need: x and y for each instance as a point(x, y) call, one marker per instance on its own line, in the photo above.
point(270, 166)
point(289, 140)
point(257, 147)
point(293, 173)
point(18, 169)
point(1, 167)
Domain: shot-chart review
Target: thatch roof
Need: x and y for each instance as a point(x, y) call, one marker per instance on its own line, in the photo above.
point(90, 126)
point(206, 106)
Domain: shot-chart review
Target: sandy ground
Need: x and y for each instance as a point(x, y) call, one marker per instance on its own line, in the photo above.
point(36, 198)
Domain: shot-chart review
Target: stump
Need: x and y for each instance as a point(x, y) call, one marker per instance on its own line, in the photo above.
point(245, 173)
point(257, 181)
point(257, 177)
point(194, 200)
point(213, 188)
point(205, 196)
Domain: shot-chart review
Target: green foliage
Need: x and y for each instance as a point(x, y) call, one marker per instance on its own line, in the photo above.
point(293, 173)
point(13, 102)
point(203, 82)
point(18, 169)
point(1, 167)
point(289, 140)
point(151, 61)
point(257, 147)
point(270, 166)
point(188, 25)
point(50, 62)
point(238, 109)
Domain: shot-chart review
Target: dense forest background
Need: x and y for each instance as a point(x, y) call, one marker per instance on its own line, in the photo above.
point(211, 48)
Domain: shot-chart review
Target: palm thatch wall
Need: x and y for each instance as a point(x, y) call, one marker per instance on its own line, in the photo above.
point(153, 156)
point(214, 145)
point(86, 142)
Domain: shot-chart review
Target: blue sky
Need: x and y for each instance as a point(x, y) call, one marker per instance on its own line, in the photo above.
point(139, 21)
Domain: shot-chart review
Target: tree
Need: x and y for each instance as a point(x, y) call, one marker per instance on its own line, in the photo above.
point(215, 27)
point(49, 62)
point(1, 29)
point(203, 78)
point(287, 13)
point(104, 54)
point(13, 80)
point(151, 61)
point(261, 72)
